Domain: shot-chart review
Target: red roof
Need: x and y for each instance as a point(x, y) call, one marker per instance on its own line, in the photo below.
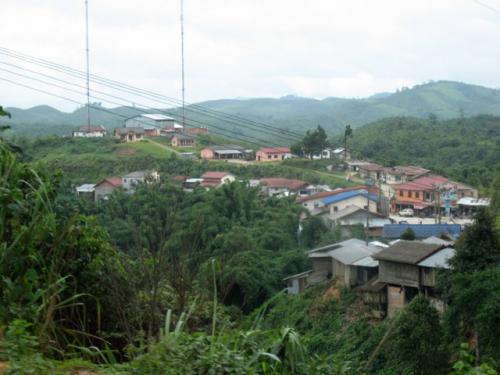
point(325, 194)
point(423, 183)
point(116, 181)
point(179, 178)
point(210, 183)
point(275, 150)
point(91, 129)
point(217, 175)
point(283, 183)
point(372, 167)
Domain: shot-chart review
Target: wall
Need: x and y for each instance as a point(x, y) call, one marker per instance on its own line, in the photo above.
point(428, 276)
point(321, 265)
point(359, 201)
point(264, 157)
point(207, 153)
point(103, 189)
point(314, 206)
point(395, 300)
point(398, 273)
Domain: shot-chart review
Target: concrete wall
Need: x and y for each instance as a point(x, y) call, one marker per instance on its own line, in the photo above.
point(207, 153)
point(103, 190)
point(395, 300)
point(359, 201)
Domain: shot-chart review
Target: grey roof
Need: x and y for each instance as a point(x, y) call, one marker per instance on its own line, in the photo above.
point(226, 147)
point(473, 202)
point(366, 262)
point(298, 275)
point(137, 174)
point(86, 188)
point(129, 130)
point(183, 136)
point(349, 210)
point(437, 240)
point(156, 116)
point(346, 252)
point(227, 152)
point(408, 252)
point(439, 259)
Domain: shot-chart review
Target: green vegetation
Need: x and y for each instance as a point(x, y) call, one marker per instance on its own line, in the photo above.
point(444, 99)
point(467, 150)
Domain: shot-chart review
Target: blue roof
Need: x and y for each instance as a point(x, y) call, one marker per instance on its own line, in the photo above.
point(346, 195)
point(422, 230)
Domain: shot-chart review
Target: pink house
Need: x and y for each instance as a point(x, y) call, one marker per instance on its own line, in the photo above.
point(266, 154)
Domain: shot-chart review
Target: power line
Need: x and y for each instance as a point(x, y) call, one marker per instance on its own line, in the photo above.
point(182, 62)
point(88, 59)
point(234, 134)
point(153, 96)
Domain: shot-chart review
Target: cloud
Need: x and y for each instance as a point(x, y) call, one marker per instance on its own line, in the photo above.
point(258, 48)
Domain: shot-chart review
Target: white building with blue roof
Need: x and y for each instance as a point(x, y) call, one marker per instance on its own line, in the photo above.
point(359, 198)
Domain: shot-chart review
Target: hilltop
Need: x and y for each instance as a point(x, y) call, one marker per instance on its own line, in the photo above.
point(445, 99)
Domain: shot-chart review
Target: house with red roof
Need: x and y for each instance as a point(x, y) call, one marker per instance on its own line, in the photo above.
point(216, 179)
point(269, 154)
point(429, 193)
point(106, 187)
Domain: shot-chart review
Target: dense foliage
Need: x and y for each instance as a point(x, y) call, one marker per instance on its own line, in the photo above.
point(467, 150)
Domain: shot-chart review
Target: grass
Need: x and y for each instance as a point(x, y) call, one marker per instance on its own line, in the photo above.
point(145, 148)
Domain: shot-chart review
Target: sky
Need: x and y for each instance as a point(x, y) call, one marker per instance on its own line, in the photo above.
point(249, 48)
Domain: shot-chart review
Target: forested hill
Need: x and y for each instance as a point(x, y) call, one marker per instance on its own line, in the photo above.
point(445, 99)
point(464, 149)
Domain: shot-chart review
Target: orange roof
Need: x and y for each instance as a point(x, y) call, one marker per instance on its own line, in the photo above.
point(275, 150)
point(423, 183)
point(116, 181)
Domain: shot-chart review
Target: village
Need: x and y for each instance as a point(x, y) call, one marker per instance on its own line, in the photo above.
point(390, 203)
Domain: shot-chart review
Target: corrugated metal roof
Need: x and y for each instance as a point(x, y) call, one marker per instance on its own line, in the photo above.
point(407, 252)
point(227, 152)
point(468, 201)
point(366, 262)
point(86, 188)
point(347, 195)
point(157, 116)
point(437, 240)
point(439, 259)
point(423, 230)
point(346, 252)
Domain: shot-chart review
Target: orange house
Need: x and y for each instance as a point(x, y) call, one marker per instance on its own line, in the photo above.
point(267, 154)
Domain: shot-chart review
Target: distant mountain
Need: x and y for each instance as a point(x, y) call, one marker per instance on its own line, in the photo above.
point(445, 99)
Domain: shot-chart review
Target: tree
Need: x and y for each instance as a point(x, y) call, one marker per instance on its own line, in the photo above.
point(313, 142)
point(415, 346)
point(495, 194)
point(408, 235)
point(478, 247)
point(347, 134)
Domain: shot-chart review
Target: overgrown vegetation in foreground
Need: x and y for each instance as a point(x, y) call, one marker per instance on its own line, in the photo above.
point(163, 281)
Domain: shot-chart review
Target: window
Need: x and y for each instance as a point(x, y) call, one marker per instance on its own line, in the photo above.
point(269, 156)
point(276, 156)
point(335, 208)
point(417, 194)
point(401, 193)
point(409, 194)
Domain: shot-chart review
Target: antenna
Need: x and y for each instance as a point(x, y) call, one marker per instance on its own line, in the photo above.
point(182, 58)
point(88, 60)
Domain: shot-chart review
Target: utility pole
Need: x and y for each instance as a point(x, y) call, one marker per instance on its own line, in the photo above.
point(88, 60)
point(182, 62)
point(367, 230)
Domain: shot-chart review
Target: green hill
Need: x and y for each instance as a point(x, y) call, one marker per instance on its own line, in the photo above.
point(445, 99)
point(464, 149)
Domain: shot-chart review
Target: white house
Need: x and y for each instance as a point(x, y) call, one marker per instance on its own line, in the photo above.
point(131, 180)
point(86, 131)
point(157, 121)
point(360, 198)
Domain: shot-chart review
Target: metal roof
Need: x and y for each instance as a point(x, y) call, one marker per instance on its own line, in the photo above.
point(86, 188)
point(346, 252)
point(366, 262)
point(422, 230)
point(437, 240)
point(473, 202)
point(227, 152)
point(347, 195)
point(156, 117)
point(439, 259)
point(407, 252)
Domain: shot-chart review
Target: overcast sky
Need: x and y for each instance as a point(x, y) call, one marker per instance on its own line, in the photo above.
point(254, 48)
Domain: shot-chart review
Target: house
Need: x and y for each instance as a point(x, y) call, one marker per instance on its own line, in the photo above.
point(430, 193)
point(86, 191)
point(370, 171)
point(106, 187)
point(183, 140)
point(267, 154)
point(191, 183)
point(354, 215)
point(226, 152)
point(314, 202)
point(402, 174)
point(147, 120)
point(350, 262)
point(297, 283)
point(328, 153)
point(469, 206)
point(281, 187)
point(129, 134)
point(360, 198)
point(131, 180)
point(354, 165)
point(93, 131)
point(393, 231)
point(408, 269)
point(216, 179)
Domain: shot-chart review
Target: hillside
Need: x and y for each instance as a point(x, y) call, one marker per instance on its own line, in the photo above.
point(445, 99)
point(465, 149)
